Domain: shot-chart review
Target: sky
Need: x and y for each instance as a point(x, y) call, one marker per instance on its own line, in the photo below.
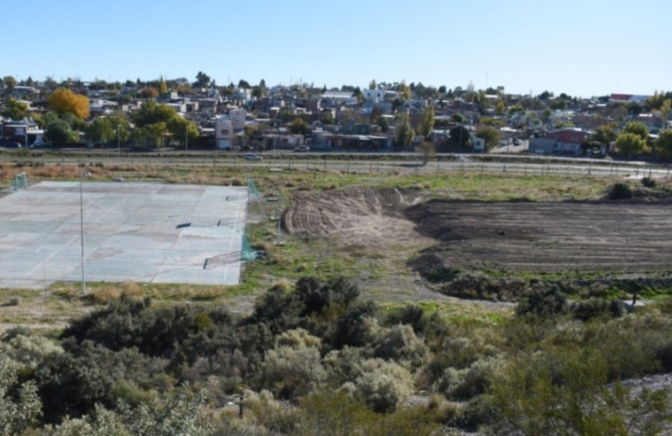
point(580, 47)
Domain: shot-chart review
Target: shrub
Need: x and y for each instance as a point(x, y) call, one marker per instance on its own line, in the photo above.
point(292, 372)
point(544, 302)
point(383, 385)
point(401, 345)
point(648, 182)
point(105, 294)
point(619, 191)
point(595, 308)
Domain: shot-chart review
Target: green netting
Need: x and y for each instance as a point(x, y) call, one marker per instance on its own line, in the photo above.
point(247, 252)
point(20, 182)
point(252, 188)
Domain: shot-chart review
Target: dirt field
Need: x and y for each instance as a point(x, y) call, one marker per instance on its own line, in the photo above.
point(507, 236)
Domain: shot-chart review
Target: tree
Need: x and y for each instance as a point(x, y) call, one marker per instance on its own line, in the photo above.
point(372, 84)
point(637, 128)
point(630, 144)
point(182, 130)
point(59, 131)
point(491, 136)
point(327, 118)
point(664, 112)
point(100, 131)
point(257, 92)
point(404, 90)
point(63, 101)
point(458, 118)
point(163, 87)
point(384, 124)
point(459, 137)
point(605, 135)
point(404, 134)
point(262, 84)
point(149, 92)
point(427, 124)
point(202, 80)
point(299, 127)
point(9, 83)
point(243, 84)
point(664, 144)
point(15, 110)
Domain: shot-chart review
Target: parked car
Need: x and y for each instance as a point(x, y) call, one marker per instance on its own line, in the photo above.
point(252, 157)
point(39, 144)
point(302, 148)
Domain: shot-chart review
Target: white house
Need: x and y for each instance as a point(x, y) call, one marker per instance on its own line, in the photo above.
point(224, 132)
point(374, 95)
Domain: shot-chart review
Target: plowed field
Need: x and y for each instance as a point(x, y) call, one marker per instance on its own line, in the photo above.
point(511, 236)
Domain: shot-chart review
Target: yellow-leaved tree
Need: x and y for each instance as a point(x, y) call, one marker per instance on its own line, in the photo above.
point(64, 100)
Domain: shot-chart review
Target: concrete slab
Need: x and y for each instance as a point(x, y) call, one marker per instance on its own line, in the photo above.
point(130, 233)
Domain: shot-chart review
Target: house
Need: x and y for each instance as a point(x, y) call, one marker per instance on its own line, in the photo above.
point(338, 99)
point(568, 140)
point(374, 96)
point(24, 132)
point(282, 141)
point(224, 132)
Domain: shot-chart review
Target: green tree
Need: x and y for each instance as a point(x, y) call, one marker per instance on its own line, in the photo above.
point(327, 119)
point(630, 144)
point(404, 90)
point(15, 110)
point(202, 80)
point(163, 87)
point(150, 136)
point(182, 130)
point(372, 84)
point(637, 128)
point(664, 112)
point(384, 124)
point(403, 133)
point(664, 144)
point(605, 134)
point(100, 131)
point(459, 137)
point(299, 127)
point(59, 131)
point(458, 118)
point(491, 136)
point(427, 124)
point(9, 82)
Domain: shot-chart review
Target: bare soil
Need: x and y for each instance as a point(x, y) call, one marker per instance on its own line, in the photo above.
point(547, 237)
point(443, 239)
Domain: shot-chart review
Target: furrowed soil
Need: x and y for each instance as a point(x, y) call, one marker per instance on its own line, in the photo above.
point(439, 237)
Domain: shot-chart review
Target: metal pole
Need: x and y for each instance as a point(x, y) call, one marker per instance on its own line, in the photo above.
point(81, 223)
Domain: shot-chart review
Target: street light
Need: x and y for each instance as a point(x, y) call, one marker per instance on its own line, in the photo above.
point(82, 175)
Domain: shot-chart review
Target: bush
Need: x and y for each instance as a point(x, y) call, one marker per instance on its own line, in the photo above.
point(648, 182)
point(383, 385)
point(595, 308)
point(619, 191)
point(545, 302)
point(400, 344)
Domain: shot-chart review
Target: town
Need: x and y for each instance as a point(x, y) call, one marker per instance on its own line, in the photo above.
point(381, 117)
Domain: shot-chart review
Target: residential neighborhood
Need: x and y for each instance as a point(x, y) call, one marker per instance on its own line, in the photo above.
point(381, 117)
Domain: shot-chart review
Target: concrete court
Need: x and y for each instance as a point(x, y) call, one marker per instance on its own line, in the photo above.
point(130, 233)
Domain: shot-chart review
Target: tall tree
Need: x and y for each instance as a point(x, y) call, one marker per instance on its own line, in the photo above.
point(63, 101)
point(202, 80)
point(403, 132)
point(163, 87)
point(664, 144)
point(9, 82)
point(664, 112)
point(605, 134)
point(405, 90)
point(100, 131)
point(427, 124)
point(372, 84)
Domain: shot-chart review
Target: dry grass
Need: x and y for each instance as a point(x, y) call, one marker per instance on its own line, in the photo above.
point(105, 294)
point(132, 290)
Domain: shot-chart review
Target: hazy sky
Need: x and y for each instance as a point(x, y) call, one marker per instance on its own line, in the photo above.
point(581, 47)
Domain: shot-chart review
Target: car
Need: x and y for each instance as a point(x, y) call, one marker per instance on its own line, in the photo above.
point(252, 157)
point(302, 148)
point(517, 142)
point(12, 144)
point(39, 144)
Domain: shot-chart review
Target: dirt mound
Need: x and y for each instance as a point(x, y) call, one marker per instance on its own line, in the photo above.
point(353, 215)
